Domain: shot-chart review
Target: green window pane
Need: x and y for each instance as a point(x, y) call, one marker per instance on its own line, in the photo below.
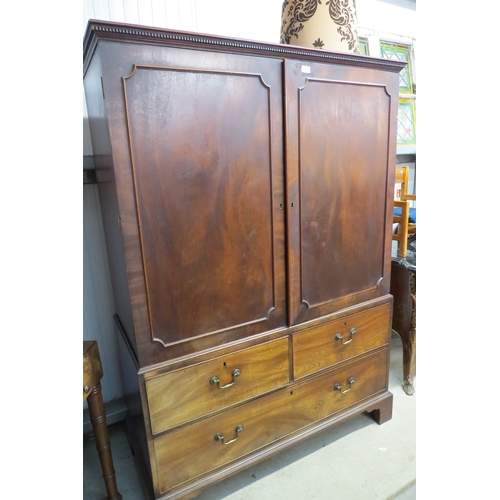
point(363, 47)
point(400, 53)
point(406, 122)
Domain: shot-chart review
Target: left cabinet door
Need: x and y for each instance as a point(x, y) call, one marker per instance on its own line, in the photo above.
point(205, 138)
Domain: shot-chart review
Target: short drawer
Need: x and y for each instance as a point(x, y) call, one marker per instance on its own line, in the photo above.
point(198, 390)
point(191, 451)
point(322, 346)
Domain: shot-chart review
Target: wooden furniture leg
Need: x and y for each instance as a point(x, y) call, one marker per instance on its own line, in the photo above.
point(409, 351)
point(383, 412)
point(404, 291)
point(92, 373)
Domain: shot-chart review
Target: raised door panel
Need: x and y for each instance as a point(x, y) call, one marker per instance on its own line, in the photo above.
point(340, 131)
point(206, 152)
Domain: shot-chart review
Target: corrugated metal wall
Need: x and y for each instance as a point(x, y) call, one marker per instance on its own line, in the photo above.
point(258, 19)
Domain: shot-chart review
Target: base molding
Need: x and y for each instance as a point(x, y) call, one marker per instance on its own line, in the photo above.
point(379, 407)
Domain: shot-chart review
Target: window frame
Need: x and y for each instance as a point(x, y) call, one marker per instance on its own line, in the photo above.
point(374, 40)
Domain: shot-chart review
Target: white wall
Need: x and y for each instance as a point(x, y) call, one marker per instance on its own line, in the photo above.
point(98, 303)
point(396, 17)
point(256, 20)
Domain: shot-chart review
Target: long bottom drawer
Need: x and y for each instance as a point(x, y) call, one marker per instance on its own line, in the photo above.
point(194, 450)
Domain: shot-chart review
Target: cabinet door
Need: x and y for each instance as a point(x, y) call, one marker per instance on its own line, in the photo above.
point(340, 162)
point(206, 143)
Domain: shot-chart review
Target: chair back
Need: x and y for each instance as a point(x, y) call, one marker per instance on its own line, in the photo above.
point(402, 174)
point(402, 220)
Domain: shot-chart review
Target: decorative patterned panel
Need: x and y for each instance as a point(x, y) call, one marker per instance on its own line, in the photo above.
point(406, 110)
point(330, 25)
point(406, 121)
point(399, 53)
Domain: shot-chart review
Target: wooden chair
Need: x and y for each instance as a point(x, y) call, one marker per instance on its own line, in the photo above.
point(404, 215)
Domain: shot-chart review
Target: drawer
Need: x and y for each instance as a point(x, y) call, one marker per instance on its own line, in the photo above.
point(322, 346)
point(198, 390)
point(191, 451)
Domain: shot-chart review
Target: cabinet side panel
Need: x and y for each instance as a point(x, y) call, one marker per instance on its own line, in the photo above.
point(103, 160)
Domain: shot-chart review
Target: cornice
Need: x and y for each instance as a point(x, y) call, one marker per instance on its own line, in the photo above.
point(107, 30)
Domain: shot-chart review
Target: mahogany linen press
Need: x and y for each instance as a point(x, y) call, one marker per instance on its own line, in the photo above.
point(246, 191)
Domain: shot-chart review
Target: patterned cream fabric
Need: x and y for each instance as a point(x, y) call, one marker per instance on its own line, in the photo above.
point(320, 24)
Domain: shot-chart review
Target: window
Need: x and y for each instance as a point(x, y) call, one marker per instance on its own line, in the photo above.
point(363, 46)
point(407, 92)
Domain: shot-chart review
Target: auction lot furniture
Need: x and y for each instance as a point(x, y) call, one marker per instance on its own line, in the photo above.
point(246, 191)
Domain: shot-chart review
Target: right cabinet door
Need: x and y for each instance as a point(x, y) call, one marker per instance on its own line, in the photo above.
point(340, 168)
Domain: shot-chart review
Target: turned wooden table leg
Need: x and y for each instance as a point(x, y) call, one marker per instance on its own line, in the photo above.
point(98, 420)
point(92, 374)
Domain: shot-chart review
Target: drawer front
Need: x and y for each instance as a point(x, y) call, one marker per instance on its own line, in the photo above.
point(183, 395)
point(322, 346)
point(191, 451)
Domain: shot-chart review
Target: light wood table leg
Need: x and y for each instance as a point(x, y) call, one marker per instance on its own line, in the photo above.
point(92, 373)
point(98, 420)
